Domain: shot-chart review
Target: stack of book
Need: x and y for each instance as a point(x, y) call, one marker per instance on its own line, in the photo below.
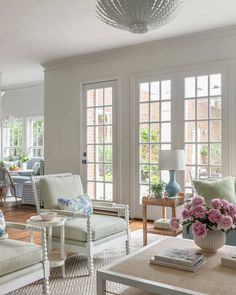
point(162, 223)
point(229, 260)
point(189, 260)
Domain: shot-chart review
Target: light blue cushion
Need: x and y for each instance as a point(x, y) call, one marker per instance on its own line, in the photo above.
point(82, 205)
point(3, 234)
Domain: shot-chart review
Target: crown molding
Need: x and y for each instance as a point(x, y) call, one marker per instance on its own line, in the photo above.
point(179, 41)
point(20, 86)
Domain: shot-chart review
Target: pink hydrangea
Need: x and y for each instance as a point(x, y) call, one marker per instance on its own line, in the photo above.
point(226, 222)
point(232, 211)
point(186, 214)
point(225, 204)
point(199, 211)
point(174, 223)
point(214, 215)
point(216, 203)
point(199, 229)
point(197, 201)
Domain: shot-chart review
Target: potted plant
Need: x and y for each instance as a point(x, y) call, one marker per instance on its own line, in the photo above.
point(209, 225)
point(158, 188)
point(24, 159)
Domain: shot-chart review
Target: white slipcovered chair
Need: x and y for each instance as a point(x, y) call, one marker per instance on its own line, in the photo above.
point(86, 235)
point(22, 263)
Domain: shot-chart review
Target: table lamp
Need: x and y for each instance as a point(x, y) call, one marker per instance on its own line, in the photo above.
point(172, 161)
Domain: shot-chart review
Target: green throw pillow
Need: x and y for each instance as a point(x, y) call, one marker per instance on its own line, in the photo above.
point(221, 188)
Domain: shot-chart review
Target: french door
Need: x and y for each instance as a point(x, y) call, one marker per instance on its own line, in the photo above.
point(99, 154)
point(184, 110)
point(205, 100)
point(153, 108)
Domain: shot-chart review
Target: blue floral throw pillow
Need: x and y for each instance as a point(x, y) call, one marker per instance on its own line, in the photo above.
point(82, 204)
point(3, 234)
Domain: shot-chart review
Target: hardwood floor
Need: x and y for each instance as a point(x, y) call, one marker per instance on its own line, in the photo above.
point(20, 213)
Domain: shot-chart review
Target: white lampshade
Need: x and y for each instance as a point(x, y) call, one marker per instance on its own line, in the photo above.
point(172, 160)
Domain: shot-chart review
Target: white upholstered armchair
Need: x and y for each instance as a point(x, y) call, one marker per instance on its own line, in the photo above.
point(22, 263)
point(87, 235)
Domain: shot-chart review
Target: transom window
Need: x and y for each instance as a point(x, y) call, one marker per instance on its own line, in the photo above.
point(203, 138)
point(154, 130)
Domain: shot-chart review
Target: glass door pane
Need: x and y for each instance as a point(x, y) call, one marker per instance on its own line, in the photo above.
point(154, 131)
point(203, 138)
point(99, 147)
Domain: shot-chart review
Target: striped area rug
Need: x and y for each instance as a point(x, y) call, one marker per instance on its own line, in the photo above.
point(77, 280)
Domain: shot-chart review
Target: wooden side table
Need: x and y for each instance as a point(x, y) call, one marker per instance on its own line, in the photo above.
point(172, 203)
point(56, 259)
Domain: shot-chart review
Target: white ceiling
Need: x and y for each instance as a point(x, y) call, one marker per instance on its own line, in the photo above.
point(33, 32)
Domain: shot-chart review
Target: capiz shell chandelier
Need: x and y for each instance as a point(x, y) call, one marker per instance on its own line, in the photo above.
point(137, 16)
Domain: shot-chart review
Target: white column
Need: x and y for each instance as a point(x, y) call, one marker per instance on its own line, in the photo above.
point(1, 114)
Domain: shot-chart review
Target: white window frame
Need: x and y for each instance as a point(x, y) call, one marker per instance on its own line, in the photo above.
point(27, 136)
point(30, 146)
point(225, 118)
point(135, 126)
point(6, 140)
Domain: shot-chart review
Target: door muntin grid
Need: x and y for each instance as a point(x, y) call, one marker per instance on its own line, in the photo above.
point(203, 127)
point(154, 131)
point(99, 141)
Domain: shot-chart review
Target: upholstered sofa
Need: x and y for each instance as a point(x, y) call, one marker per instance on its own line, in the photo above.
point(22, 263)
point(24, 187)
point(85, 234)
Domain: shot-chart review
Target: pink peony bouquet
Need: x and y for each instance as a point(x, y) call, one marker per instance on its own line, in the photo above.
point(221, 215)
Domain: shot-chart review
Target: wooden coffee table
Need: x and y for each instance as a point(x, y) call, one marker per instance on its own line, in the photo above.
point(135, 271)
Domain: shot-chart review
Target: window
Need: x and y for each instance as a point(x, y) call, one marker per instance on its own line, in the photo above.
point(99, 144)
point(36, 148)
point(24, 135)
point(154, 130)
point(14, 139)
point(203, 139)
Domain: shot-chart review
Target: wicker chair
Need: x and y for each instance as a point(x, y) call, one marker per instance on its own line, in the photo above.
point(6, 183)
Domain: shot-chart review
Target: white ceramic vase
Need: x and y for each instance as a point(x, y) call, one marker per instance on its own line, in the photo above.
point(214, 240)
point(24, 166)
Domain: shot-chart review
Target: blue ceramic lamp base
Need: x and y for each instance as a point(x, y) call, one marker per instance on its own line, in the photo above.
point(173, 188)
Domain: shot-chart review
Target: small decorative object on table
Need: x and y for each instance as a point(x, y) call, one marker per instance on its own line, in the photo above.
point(172, 161)
point(48, 216)
point(158, 188)
point(24, 159)
point(209, 225)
